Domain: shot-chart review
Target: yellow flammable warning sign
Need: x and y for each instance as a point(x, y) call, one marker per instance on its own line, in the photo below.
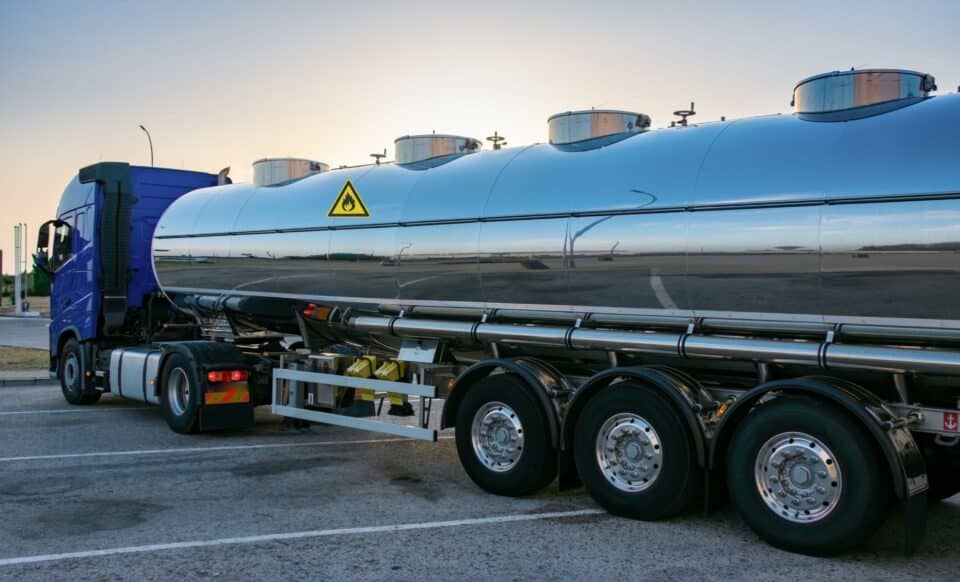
point(348, 204)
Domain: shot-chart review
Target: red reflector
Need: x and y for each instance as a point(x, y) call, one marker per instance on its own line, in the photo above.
point(214, 376)
point(308, 310)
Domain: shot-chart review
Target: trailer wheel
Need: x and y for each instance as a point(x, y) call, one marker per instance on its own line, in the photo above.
point(634, 455)
point(806, 477)
point(503, 439)
point(180, 394)
point(71, 376)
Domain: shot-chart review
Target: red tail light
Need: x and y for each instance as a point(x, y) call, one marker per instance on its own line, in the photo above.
point(215, 376)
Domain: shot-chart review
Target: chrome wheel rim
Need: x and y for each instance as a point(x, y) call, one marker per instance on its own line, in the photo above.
point(629, 452)
point(798, 477)
point(71, 371)
point(497, 436)
point(178, 391)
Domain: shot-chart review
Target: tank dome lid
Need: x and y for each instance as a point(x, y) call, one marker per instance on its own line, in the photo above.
point(863, 91)
point(416, 148)
point(273, 171)
point(577, 126)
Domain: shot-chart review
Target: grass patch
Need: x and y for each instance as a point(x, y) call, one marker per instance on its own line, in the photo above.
point(23, 359)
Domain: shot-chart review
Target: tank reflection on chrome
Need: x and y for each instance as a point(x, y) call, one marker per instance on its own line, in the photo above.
point(772, 218)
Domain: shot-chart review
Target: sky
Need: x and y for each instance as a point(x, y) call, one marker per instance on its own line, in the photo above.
point(222, 83)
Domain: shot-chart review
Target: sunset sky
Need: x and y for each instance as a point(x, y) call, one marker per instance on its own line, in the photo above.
point(224, 83)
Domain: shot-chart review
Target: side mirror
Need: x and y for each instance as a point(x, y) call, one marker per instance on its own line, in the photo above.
point(43, 235)
point(43, 259)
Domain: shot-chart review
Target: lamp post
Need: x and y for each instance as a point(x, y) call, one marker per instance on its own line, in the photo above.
point(149, 141)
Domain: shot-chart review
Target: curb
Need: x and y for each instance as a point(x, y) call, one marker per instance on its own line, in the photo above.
point(25, 378)
point(24, 381)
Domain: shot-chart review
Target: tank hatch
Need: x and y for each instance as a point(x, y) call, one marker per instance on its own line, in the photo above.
point(578, 126)
point(273, 171)
point(416, 148)
point(843, 95)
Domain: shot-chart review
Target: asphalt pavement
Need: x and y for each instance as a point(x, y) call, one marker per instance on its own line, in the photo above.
point(109, 492)
point(24, 332)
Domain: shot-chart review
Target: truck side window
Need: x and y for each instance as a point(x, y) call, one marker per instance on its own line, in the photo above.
point(61, 246)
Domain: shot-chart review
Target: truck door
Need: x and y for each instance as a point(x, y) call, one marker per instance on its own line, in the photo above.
point(72, 283)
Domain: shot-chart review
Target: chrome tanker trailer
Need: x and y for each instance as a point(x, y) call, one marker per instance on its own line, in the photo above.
point(763, 308)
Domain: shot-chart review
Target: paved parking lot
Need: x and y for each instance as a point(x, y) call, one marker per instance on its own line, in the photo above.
point(24, 332)
point(109, 492)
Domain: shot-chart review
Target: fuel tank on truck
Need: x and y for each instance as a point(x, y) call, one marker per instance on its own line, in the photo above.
point(846, 211)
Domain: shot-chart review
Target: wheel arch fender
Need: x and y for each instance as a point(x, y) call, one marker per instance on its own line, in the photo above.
point(675, 386)
point(544, 382)
point(205, 355)
point(86, 355)
point(62, 338)
point(879, 421)
point(904, 459)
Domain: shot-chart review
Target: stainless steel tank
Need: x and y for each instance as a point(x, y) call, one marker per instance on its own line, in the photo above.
point(794, 219)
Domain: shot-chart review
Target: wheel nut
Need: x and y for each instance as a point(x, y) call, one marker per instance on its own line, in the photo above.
point(795, 502)
point(821, 490)
point(822, 474)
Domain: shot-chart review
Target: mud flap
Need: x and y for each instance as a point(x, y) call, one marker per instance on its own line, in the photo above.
point(914, 485)
point(914, 521)
point(226, 416)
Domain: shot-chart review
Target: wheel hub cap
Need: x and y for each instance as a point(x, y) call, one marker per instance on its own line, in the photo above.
point(71, 370)
point(178, 391)
point(798, 477)
point(628, 452)
point(497, 436)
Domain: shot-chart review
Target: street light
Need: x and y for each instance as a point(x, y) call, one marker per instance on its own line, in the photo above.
point(150, 141)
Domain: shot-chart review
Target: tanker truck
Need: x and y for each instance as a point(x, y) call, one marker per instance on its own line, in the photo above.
point(761, 310)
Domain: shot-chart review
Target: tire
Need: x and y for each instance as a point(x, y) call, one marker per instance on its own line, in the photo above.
point(505, 401)
point(180, 394)
point(835, 483)
point(72, 371)
point(646, 437)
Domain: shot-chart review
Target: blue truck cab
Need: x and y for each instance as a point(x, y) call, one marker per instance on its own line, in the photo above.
point(100, 255)
point(111, 324)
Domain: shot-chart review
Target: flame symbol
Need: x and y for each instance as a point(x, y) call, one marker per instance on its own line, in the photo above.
point(348, 203)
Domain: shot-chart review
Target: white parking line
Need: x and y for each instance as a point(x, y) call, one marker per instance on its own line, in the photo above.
point(299, 535)
point(660, 291)
point(66, 410)
point(137, 452)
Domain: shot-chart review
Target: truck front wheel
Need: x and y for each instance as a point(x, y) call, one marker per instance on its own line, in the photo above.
point(72, 381)
point(503, 439)
point(806, 477)
point(180, 394)
point(634, 454)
